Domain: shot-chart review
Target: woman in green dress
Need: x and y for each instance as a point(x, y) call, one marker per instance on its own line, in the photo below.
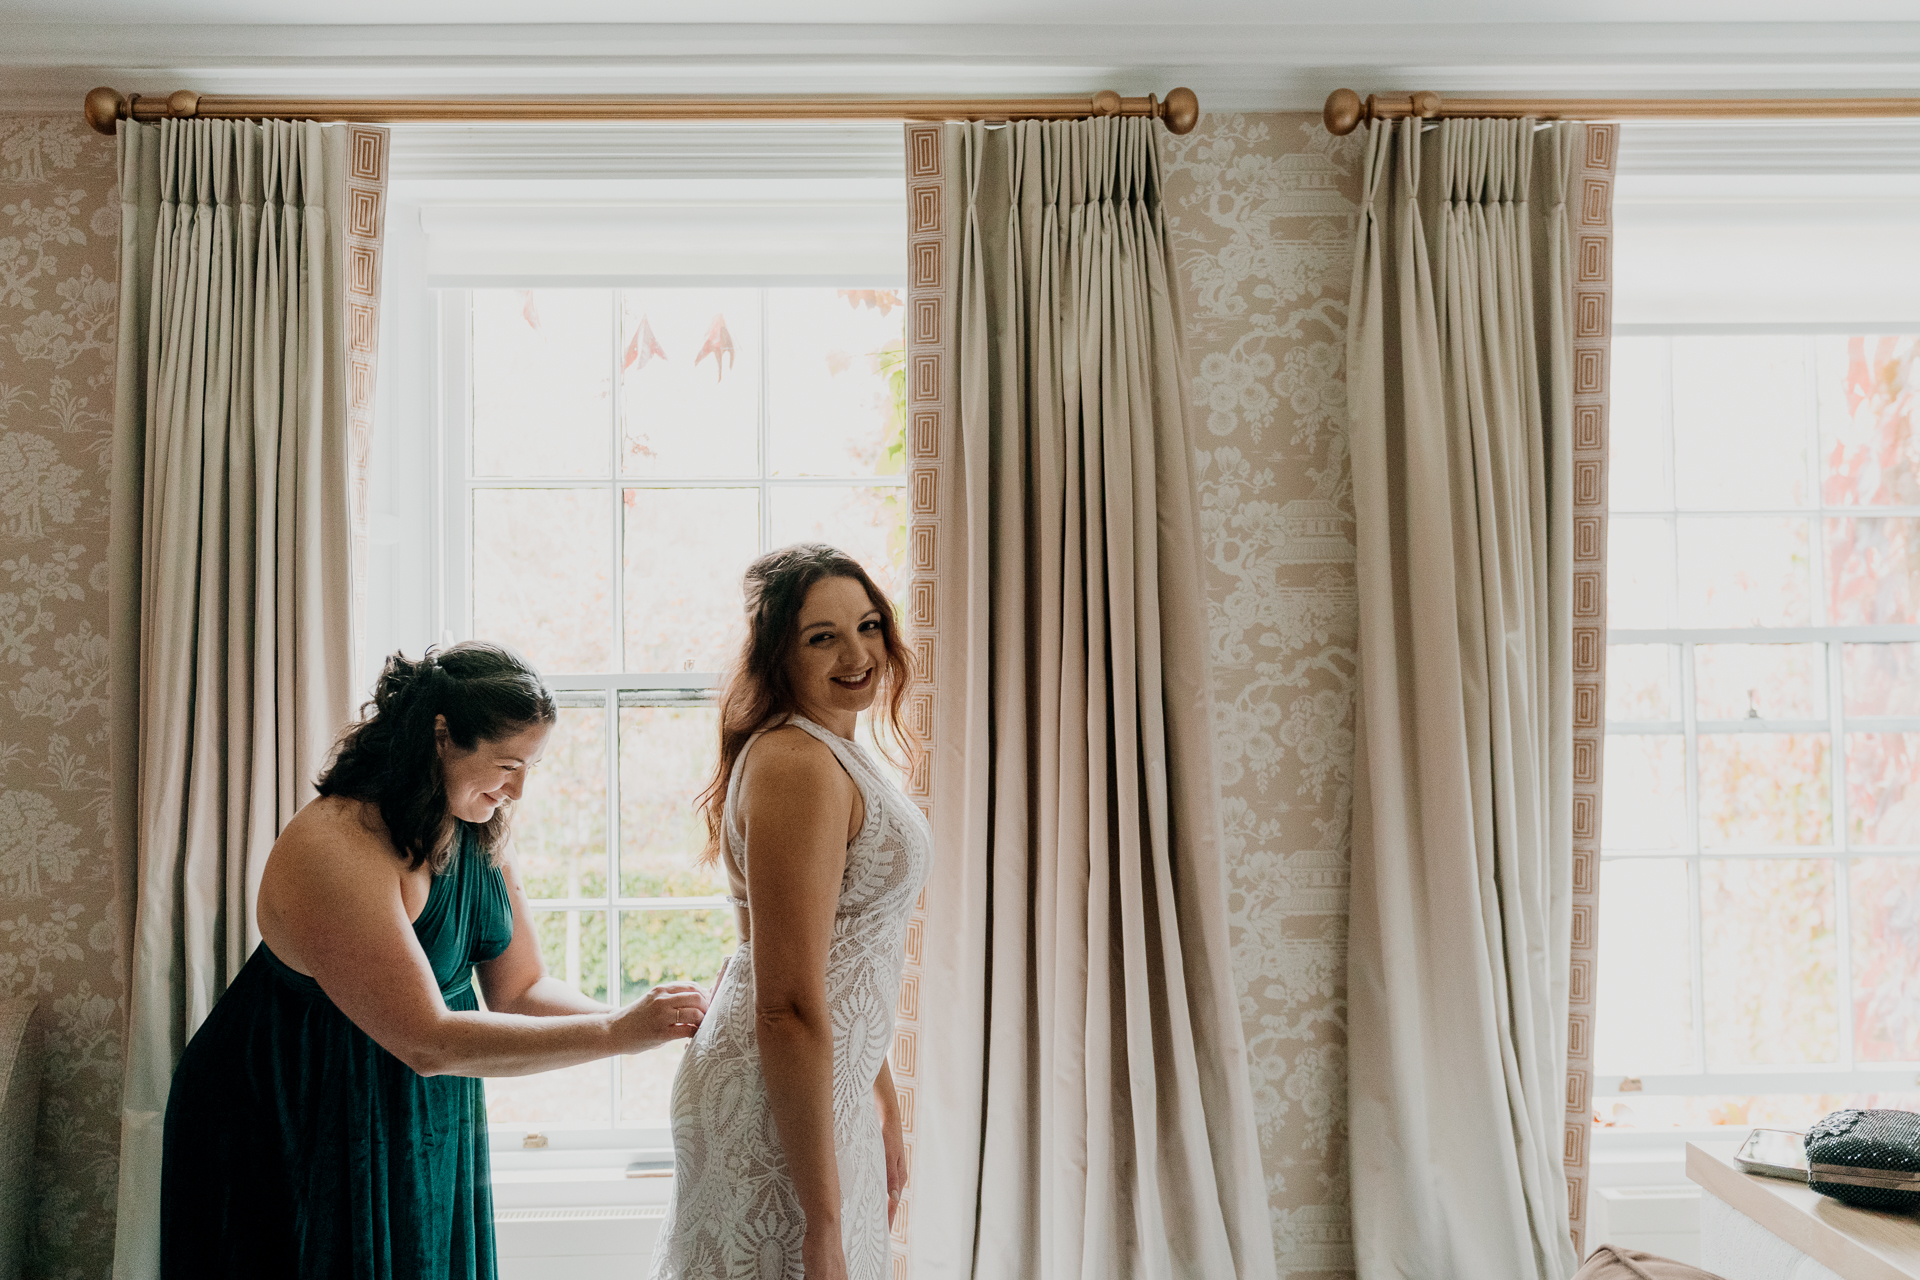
point(327, 1119)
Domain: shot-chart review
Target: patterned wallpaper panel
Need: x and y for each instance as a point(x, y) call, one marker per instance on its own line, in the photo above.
point(1262, 217)
point(1263, 209)
point(59, 233)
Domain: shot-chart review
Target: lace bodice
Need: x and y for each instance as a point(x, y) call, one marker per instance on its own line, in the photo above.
point(734, 1214)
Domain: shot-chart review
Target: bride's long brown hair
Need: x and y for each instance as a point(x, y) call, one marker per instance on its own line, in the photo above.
point(758, 694)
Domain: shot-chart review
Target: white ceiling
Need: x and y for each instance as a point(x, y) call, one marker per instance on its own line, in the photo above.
point(1236, 54)
point(915, 12)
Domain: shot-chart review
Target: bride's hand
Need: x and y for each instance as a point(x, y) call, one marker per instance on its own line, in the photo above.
point(670, 1011)
point(822, 1256)
point(896, 1145)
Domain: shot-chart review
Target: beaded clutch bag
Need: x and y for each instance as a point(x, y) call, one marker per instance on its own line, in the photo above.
point(1868, 1158)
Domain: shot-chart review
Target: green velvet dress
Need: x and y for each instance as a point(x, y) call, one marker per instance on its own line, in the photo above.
point(296, 1147)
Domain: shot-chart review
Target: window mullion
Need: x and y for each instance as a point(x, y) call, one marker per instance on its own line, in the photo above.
point(1843, 861)
point(763, 443)
point(610, 713)
point(1696, 941)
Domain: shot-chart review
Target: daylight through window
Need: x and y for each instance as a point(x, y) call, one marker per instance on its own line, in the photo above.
point(626, 452)
point(1760, 883)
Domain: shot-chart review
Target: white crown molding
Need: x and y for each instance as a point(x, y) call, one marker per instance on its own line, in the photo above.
point(710, 151)
point(1231, 66)
point(1732, 149)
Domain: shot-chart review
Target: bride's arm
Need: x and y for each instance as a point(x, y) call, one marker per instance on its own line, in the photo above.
point(892, 1135)
point(797, 800)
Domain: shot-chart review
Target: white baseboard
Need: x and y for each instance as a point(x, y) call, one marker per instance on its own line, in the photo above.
point(597, 1242)
point(1657, 1219)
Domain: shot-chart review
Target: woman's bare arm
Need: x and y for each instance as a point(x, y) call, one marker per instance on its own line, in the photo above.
point(892, 1136)
point(796, 800)
point(517, 981)
point(335, 887)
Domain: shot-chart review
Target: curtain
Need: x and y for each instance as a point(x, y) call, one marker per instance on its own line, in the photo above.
point(244, 387)
point(1476, 355)
point(1081, 1105)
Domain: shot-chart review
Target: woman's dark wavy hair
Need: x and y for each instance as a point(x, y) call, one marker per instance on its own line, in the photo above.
point(390, 757)
point(757, 692)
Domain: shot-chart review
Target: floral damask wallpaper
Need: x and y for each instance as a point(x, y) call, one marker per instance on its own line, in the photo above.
point(1262, 219)
point(1262, 211)
point(59, 233)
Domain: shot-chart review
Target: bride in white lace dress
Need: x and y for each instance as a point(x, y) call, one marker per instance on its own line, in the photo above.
point(788, 1155)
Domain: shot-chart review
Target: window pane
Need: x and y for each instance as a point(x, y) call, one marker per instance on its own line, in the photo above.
point(1646, 985)
point(540, 575)
point(574, 946)
point(1644, 801)
point(1639, 573)
point(1768, 1110)
point(1638, 467)
point(572, 1097)
point(1640, 682)
point(868, 522)
point(1770, 967)
point(1881, 679)
point(686, 550)
point(1885, 894)
point(542, 363)
point(1744, 573)
point(689, 382)
point(1867, 444)
point(1760, 681)
point(1764, 790)
point(1873, 571)
point(665, 946)
point(665, 756)
point(685, 945)
point(1743, 417)
point(560, 823)
point(1883, 788)
point(836, 382)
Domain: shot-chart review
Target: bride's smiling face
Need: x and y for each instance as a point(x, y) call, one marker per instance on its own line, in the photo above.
point(839, 654)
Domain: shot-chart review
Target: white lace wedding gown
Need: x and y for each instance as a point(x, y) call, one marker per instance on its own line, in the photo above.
point(733, 1213)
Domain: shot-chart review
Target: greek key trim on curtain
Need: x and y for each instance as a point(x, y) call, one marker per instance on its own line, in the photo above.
point(1080, 1105)
point(248, 329)
point(1477, 357)
point(1591, 207)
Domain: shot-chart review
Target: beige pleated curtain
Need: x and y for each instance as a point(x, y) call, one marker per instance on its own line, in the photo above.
point(1071, 1049)
point(1477, 354)
point(244, 388)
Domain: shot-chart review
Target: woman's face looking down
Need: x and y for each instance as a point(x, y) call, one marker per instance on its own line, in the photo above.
point(838, 655)
point(495, 771)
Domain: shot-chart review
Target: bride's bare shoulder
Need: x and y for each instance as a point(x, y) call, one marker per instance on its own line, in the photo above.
point(789, 759)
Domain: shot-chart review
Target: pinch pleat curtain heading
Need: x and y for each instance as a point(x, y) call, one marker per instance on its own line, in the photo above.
point(1463, 388)
point(1081, 1102)
point(231, 589)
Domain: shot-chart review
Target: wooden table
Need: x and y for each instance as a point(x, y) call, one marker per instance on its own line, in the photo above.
point(1856, 1244)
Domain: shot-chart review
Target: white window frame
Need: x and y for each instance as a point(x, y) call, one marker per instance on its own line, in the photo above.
point(588, 1152)
point(1843, 1076)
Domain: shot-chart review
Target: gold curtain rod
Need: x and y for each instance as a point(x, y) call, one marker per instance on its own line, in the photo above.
point(1345, 112)
point(1180, 110)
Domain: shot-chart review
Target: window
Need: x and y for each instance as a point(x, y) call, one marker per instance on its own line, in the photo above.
point(1760, 876)
point(615, 458)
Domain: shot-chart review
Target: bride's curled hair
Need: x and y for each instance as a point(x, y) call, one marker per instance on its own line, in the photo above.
point(758, 694)
point(390, 757)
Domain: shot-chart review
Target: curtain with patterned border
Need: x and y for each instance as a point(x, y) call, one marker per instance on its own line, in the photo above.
point(1477, 353)
point(1082, 1104)
point(248, 330)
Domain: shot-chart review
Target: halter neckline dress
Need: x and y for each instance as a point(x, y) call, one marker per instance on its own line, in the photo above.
point(297, 1147)
point(733, 1214)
